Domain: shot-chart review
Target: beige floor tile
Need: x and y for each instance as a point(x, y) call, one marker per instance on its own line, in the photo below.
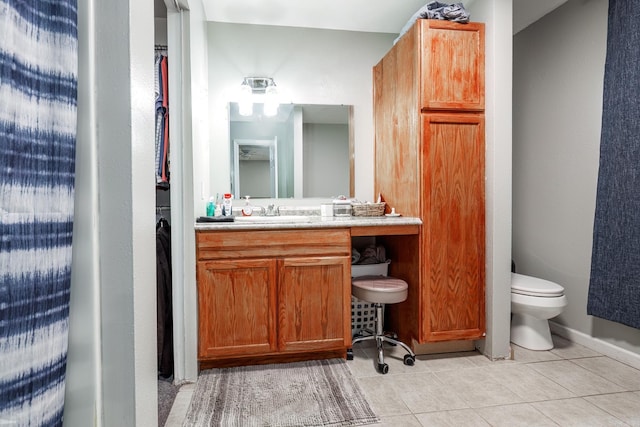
point(576, 413)
point(570, 350)
point(384, 394)
point(451, 361)
point(459, 418)
point(399, 421)
point(617, 372)
point(575, 378)
point(522, 414)
point(362, 364)
point(528, 384)
point(523, 355)
point(625, 406)
point(426, 393)
point(479, 360)
point(394, 357)
point(478, 387)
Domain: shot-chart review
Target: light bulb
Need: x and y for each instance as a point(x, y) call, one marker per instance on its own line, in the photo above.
point(271, 103)
point(245, 105)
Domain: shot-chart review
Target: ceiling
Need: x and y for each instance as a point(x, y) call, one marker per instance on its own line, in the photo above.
point(378, 16)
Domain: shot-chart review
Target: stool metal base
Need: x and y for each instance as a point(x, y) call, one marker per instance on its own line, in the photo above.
point(380, 337)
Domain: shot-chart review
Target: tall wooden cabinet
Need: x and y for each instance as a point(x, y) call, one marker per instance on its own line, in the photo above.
point(429, 163)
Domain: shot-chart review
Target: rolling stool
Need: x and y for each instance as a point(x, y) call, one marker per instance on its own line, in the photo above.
point(380, 290)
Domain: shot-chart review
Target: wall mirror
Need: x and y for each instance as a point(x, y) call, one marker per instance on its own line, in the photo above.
point(305, 150)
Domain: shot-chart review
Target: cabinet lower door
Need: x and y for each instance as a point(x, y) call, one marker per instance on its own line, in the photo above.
point(236, 308)
point(454, 230)
point(314, 303)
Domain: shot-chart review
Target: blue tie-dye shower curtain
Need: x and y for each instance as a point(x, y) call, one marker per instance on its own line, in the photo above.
point(38, 104)
point(614, 288)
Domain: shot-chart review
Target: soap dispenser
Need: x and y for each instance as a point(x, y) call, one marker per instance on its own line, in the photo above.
point(247, 209)
point(218, 209)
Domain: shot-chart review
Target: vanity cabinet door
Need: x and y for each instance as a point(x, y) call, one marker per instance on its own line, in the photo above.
point(314, 303)
point(236, 307)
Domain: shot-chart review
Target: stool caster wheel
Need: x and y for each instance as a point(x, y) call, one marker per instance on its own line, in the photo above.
point(350, 354)
point(409, 360)
point(383, 368)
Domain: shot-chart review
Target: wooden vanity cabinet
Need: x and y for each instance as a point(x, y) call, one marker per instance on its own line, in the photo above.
point(429, 163)
point(276, 295)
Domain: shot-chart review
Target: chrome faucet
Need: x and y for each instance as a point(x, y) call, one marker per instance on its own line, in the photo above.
point(271, 210)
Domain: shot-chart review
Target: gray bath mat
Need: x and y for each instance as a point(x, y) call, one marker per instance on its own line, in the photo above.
point(313, 393)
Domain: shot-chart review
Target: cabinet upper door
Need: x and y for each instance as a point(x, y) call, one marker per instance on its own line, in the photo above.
point(452, 65)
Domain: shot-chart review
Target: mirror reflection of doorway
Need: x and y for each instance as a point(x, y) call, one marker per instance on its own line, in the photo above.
point(255, 168)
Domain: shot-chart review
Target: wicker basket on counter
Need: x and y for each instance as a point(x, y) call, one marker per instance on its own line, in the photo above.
point(368, 209)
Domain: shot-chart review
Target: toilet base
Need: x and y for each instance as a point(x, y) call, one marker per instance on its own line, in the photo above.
point(530, 332)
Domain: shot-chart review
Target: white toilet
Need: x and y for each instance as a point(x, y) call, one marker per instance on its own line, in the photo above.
point(533, 302)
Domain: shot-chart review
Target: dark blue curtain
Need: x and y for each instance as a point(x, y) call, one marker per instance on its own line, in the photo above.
point(614, 288)
point(38, 104)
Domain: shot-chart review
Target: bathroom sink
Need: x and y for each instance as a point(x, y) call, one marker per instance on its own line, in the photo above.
point(278, 219)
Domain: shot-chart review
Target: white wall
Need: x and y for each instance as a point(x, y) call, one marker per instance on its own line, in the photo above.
point(497, 16)
point(326, 160)
point(310, 66)
point(558, 82)
point(111, 370)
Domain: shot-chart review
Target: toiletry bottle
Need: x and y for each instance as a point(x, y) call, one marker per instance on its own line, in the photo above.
point(211, 207)
point(218, 211)
point(247, 209)
point(227, 205)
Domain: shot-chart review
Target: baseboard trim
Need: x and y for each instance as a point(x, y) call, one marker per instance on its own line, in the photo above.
point(443, 347)
point(618, 353)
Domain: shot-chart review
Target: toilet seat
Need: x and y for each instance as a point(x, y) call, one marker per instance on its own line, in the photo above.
point(534, 286)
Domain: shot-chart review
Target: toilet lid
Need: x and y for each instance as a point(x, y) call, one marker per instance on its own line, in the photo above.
point(534, 286)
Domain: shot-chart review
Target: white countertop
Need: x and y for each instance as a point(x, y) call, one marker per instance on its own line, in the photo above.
point(314, 221)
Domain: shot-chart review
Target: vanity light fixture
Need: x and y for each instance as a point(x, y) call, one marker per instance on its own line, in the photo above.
point(245, 103)
point(252, 86)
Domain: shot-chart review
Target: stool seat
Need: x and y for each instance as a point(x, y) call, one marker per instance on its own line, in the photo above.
point(379, 289)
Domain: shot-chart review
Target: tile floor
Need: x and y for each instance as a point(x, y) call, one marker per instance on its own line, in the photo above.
point(570, 385)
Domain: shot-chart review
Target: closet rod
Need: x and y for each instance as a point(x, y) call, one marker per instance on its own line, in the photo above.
point(161, 47)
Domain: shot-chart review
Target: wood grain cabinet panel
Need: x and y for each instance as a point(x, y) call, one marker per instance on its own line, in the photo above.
point(429, 163)
point(314, 303)
point(236, 307)
point(452, 65)
point(453, 201)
